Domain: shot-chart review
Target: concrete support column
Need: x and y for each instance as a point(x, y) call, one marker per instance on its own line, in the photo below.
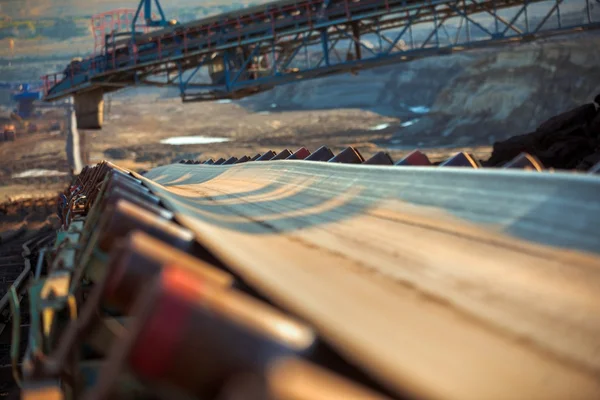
point(73, 142)
point(89, 108)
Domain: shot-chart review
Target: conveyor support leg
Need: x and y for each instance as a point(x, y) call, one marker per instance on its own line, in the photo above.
point(89, 109)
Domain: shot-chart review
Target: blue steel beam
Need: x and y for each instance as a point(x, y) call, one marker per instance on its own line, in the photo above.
point(280, 34)
point(146, 5)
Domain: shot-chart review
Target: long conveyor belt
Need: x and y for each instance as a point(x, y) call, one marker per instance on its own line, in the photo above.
point(450, 282)
point(417, 282)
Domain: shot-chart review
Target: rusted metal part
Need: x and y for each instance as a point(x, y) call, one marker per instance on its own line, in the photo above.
point(267, 156)
point(109, 201)
point(299, 154)
point(282, 155)
point(243, 160)
point(105, 181)
point(121, 219)
point(349, 155)
point(133, 265)
point(415, 158)
point(323, 153)
point(139, 258)
point(461, 160)
point(125, 217)
point(380, 158)
point(230, 160)
point(213, 334)
point(114, 191)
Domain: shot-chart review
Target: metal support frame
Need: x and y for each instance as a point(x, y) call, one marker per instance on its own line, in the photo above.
point(148, 16)
point(295, 44)
point(109, 23)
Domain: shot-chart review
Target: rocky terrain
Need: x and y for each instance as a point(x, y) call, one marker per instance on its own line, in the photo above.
point(472, 99)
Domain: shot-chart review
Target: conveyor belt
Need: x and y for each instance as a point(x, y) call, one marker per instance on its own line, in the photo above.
point(266, 277)
point(446, 283)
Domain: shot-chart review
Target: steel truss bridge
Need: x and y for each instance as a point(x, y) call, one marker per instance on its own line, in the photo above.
point(255, 49)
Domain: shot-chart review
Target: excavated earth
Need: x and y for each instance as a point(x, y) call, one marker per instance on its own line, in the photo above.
point(461, 102)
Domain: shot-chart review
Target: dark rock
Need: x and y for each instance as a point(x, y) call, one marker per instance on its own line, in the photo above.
point(590, 161)
point(567, 141)
point(579, 116)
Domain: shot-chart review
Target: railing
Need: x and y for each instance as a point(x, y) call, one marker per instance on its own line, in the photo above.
point(209, 31)
point(163, 45)
point(52, 80)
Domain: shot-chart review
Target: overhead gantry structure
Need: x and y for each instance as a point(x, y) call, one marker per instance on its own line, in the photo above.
point(248, 51)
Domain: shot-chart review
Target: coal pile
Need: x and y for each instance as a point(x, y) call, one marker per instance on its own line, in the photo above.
point(570, 140)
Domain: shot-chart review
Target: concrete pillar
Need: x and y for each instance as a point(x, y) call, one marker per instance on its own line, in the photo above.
point(89, 108)
point(73, 143)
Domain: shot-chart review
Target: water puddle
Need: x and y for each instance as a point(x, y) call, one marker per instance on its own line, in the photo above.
point(183, 140)
point(409, 123)
point(36, 173)
point(264, 113)
point(379, 127)
point(224, 101)
point(419, 109)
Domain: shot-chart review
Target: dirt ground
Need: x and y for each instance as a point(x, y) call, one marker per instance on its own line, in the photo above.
point(29, 155)
point(134, 128)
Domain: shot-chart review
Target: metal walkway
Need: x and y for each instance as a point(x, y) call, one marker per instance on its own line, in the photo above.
point(248, 51)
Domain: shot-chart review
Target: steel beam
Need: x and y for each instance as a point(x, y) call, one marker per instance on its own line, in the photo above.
point(277, 38)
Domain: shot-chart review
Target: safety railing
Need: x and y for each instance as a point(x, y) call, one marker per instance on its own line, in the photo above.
point(180, 42)
point(306, 12)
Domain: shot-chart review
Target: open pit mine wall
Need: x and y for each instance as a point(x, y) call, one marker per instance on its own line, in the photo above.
point(474, 98)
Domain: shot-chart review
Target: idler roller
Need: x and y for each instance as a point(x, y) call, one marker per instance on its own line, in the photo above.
point(139, 258)
point(193, 335)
